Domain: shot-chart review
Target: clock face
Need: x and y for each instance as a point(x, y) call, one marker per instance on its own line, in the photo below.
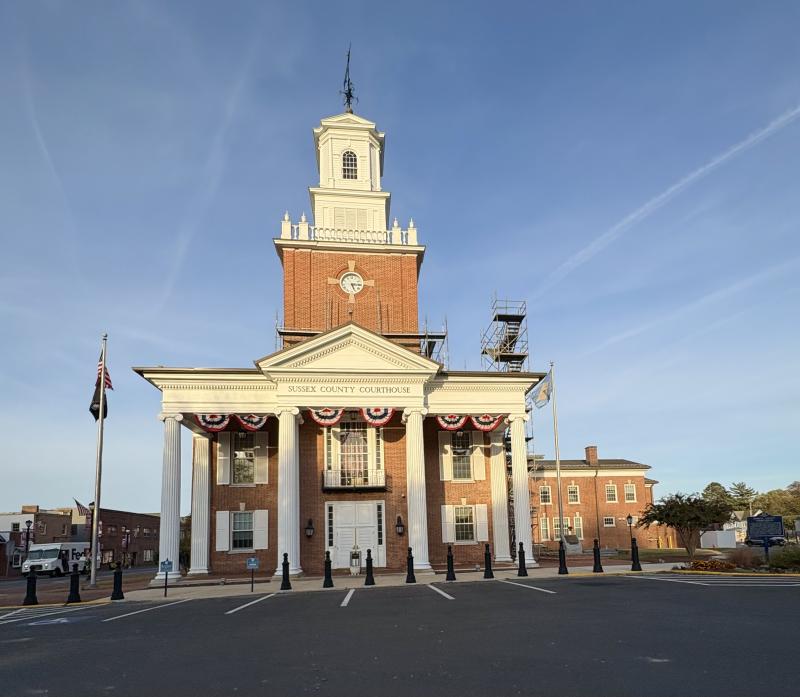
point(351, 282)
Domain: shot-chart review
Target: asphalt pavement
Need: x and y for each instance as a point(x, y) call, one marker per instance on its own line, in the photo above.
point(652, 634)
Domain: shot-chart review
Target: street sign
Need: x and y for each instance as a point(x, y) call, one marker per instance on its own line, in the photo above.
point(764, 526)
point(252, 563)
point(165, 566)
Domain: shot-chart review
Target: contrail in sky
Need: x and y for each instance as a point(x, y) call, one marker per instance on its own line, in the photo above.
point(600, 243)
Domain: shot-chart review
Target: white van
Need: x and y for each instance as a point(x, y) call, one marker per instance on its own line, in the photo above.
point(47, 558)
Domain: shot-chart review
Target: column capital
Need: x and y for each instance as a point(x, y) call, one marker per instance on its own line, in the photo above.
point(295, 411)
point(518, 417)
point(408, 411)
point(163, 416)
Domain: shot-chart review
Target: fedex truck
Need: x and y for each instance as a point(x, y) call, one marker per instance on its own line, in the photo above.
point(48, 558)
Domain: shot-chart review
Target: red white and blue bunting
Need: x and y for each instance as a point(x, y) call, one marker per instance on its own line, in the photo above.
point(326, 416)
point(213, 422)
point(377, 416)
point(451, 422)
point(252, 422)
point(486, 422)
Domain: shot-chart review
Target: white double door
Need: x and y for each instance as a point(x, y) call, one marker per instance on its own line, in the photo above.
point(356, 523)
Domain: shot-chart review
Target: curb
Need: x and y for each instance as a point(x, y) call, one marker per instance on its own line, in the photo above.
point(751, 574)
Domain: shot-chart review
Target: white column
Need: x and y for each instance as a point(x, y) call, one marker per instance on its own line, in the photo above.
point(497, 461)
point(415, 478)
point(519, 477)
point(200, 505)
point(288, 489)
point(170, 529)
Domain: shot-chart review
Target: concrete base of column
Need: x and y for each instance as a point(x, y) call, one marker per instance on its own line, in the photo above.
point(504, 559)
point(197, 572)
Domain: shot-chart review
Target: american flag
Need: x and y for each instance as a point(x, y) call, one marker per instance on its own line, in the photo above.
point(109, 386)
point(82, 510)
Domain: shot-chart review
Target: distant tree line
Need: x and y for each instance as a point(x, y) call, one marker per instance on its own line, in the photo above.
point(739, 496)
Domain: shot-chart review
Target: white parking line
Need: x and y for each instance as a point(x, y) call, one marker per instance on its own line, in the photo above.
point(252, 602)
point(668, 580)
point(525, 585)
point(34, 613)
point(440, 592)
point(347, 597)
point(147, 609)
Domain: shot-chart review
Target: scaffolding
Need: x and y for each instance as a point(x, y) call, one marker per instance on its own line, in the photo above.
point(504, 344)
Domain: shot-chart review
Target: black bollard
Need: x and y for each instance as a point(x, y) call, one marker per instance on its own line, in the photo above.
point(487, 563)
point(635, 565)
point(598, 567)
point(451, 572)
point(328, 582)
point(285, 585)
point(74, 586)
point(562, 559)
point(521, 571)
point(370, 579)
point(116, 593)
point(410, 578)
point(30, 592)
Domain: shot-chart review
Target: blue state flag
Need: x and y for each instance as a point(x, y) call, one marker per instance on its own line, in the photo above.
point(541, 393)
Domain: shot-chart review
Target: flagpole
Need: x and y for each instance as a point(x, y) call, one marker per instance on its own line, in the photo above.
point(98, 471)
point(558, 457)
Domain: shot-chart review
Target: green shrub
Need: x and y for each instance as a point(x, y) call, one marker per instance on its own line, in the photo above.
point(745, 557)
point(785, 558)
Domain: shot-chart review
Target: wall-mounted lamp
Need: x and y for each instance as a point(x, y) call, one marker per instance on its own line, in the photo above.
point(310, 528)
point(400, 527)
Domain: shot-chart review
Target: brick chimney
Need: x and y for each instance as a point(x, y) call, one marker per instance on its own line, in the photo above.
point(591, 455)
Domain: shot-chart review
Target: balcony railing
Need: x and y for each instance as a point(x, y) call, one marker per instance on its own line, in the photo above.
point(354, 479)
point(306, 232)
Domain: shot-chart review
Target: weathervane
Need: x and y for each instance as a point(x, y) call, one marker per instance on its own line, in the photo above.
point(347, 92)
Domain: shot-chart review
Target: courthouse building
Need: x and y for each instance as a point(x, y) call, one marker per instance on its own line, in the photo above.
point(351, 435)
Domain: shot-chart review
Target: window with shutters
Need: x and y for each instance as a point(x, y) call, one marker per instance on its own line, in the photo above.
point(577, 525)
point(354, 453)
point(465, 523)
point(544, 529)
point(349, 165)
point(630, 493)
point(609, 521)
point(611, 493)
point(573, 495)
point(461, 448)
point(557, 527)
point(244, 458)
point(242, 530)
point(545, 495)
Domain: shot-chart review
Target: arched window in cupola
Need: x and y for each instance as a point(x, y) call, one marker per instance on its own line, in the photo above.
point(349, 165)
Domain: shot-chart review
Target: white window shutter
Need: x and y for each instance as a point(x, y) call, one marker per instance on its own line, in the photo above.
point(224, 458)
point(223, 531)
point(481, 523)
point(372, 443)
point(445, 456)
point(336, 445)
point(262, 457)
point(379, 440)
point(260, 529)
point(448, 524)
point(477, 459)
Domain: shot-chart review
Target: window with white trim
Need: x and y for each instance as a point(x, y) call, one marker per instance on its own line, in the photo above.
point(378, 448)
point(577, 526)
point(544, 529)
point(630, 493)
point(609, 521)
point(242, 530)
point(147, 555)
point(330, 526)
point(461, 448)
point(243, 446)
point(349, 165)
point(573, 494)
point(557, 527)
point(545, 495)
point(611, 493)
point(465, 523)
point(14, 527)
point(354, 452)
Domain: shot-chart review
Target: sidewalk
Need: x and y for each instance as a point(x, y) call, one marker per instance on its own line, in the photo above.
point(187, 591)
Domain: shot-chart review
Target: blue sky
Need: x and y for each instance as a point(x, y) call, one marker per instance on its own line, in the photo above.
point(629, 168)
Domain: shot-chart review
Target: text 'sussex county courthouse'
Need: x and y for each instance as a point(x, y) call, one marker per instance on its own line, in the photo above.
point(350, 429)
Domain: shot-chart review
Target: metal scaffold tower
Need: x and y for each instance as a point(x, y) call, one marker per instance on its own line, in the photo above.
point(504, 344)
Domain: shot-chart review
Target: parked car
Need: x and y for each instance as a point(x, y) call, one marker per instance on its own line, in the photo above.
point(774, 541)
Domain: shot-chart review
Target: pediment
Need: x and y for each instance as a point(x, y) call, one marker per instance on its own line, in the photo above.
point(346, 120)
point(347, 350)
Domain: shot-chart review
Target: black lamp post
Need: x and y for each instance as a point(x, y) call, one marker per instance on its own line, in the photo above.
point(399, 527)
point(630, 525)
point(28, 524)
point(310, 528)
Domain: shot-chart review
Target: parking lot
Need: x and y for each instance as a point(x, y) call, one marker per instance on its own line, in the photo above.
point(652, 634)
